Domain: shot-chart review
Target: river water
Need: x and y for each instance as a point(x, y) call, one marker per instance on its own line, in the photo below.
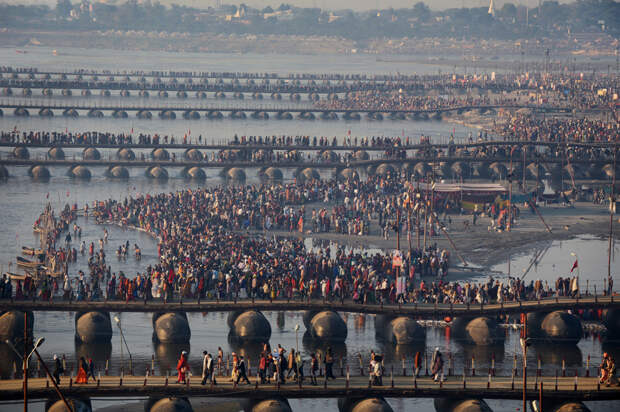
point(23, 200)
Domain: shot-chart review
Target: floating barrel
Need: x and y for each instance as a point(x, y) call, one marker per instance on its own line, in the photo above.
point(125, 93)
point(1, 113)
point(193, 154)
point(163, 94)
point(398, 116)
point(308, 174)
point(70, 113)
point(56, 153)
point(235, 174)
point(181, 94)
point(93, 327)
point(570, 407)
point(86, 93)
point(144, 114)
point(118, 172)
point(257, 96)
point(329, 116)
point(306, 116)
point(265, 405)
point(295, 97)
point(276, 96)
point(375, 116)
point(237, 115)
point(21, 112)
point(573, 171)
point(461, 405)
point(12, 325)
point(168, 405)
point(481, 170)
point(238, 96)
point(498, 170)
point(422, 169)
point(482, 331)
point(326, 326)
point(78, 405)
point(260, 115)
point(160, 154)
point(39, 173)
point(125, 154)
point(385, 169)
point(46, 112)
point(593, 172)
point(167, 115)
point(67, 92)
point(94, 78)
point(4, 173)
point(273, 173)
point(314, 97)
point(191, 115)
point(561, 327)
point(220, 95)
point(400, 330)
point(215, 115)
point(95, 113)
point(329, 156)
point(611, 320)
point(608, 170)
point(351, 116)
point(119, 114)
point(284, 116)
point(194, 173)
point(157, 172)
point(436, 116)
point(143, 93)
point(461, 169)
point(361, 155)
point(79, 172)
point(21, 152)
point(348, 174)
point(535, 171)
point(201, 95)
point(7, 91)
point(249, 326)
point(332, 97)
point(27, 92)
point(363, 405)
point(174, 80)
point(105, 93)
point(171, 327)
point(91, 153)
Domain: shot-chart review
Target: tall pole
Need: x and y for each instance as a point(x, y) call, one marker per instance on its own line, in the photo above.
point(510, 193)
point(398, 228)
point(25, 362)
point(612, 201)
point(524, 361)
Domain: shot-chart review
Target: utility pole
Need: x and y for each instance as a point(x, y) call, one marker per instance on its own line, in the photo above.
point(25, 361)
point(612, 203)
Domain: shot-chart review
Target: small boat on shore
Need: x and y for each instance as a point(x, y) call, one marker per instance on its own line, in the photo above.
point(27, 263)
point(15, 276)
point(32, 251)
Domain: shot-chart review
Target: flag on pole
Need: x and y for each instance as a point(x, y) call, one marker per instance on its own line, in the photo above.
point(575, 265)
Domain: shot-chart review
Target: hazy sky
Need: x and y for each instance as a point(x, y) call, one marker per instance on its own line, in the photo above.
point(324, 4)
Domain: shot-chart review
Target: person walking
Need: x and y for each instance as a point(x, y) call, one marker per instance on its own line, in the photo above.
point(314, 368)
point(58, 369)
point(206, 366)
point(329, 364)
point(417, 363)
point(241, 371)
point(82, 377)
point(437, 368)
point(182, 367)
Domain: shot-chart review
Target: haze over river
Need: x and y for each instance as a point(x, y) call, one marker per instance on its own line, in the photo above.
point(23, 200)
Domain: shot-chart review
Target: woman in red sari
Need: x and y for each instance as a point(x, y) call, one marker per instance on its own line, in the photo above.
point(182, 367)
point(82, 377)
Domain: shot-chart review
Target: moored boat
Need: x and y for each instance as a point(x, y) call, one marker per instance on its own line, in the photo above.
point(32, 251)
point(27, 263)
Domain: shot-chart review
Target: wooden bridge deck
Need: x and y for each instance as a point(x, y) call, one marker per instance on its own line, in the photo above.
point(404, 387)
point(427, 310)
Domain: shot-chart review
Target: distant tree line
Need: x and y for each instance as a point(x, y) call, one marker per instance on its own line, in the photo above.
point(511, 21)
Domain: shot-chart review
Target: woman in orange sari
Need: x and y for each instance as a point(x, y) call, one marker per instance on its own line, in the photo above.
point(82, 377)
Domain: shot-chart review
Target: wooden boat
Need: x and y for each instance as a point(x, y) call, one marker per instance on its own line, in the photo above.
point(15, 276)
point(32, 251)
point(27, 263)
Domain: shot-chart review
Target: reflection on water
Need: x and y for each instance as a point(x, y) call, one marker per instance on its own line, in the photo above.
point(168, 354)
point(553, 355)
point(98, 352)
point(9, 362)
